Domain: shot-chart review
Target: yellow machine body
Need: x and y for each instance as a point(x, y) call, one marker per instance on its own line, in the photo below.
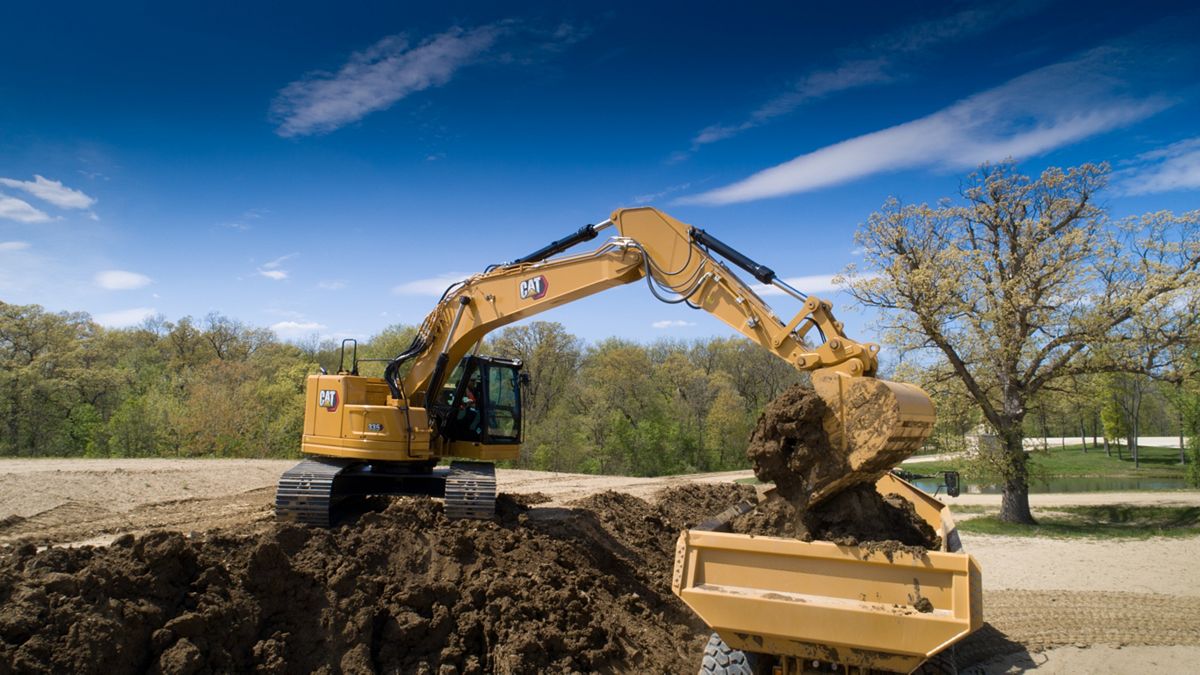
point(367, 424)
point(840, 605)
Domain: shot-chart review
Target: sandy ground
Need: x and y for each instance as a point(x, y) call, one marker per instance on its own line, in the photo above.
point(1035, 588)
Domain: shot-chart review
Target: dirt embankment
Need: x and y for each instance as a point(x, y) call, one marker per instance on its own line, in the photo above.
point(398, 590)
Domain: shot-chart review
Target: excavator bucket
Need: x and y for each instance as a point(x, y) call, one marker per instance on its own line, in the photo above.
point(874, 424)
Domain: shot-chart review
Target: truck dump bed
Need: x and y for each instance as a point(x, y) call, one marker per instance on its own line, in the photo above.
point(837, 604)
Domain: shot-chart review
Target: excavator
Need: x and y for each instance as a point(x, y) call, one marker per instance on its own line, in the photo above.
point(441, 399)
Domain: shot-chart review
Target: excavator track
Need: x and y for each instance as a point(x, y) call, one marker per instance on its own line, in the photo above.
point(309, 492)
point(306, 492)
point(471, 490)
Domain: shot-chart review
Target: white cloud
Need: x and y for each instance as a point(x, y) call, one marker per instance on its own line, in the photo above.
point(20, 210)
point(274, 264)
point(272, 271)
point(672, 323)
point(1174, 167)
point(654, 196)
point(816, 85)
point(120, 280)
point(296, 328)
point(13, 245)
point(51, 191)
point(809, 284)
point(1032, 114)
point(376, 78)
point(331, 285)
point(872, 63)
point(126, 317)
point(431, 286)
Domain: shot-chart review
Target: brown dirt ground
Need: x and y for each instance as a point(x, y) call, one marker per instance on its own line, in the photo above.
point(1044, 598)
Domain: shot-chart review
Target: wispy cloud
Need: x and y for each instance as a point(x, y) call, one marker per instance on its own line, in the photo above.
point(125, 317)
point(376, 78)
point(20, 210)
point(288, 329)
point(331, 285)
point(13, 246)
point(878, 61)
point(121, 280)
point(1173, 167)
point(273, 270)
point(810, 284)
point(655, 196)
point(815, 85)
point(1032, 114)
point(672, 323)
point(51, 191)
point(430, 286)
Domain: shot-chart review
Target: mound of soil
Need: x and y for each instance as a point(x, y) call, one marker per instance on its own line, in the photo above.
point(859, 516)
point(399, 590)
point(790, 448)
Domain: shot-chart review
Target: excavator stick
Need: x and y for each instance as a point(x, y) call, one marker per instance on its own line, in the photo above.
point(874, 424)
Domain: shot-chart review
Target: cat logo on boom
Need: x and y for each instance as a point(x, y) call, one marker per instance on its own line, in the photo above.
point(328, 399)
point(534, 288)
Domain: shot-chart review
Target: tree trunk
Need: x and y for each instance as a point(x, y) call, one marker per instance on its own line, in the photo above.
point(1014, 502)
point(1182, 454)
point(1107, 449)
point(1137, 459)
point(1045, 432)
point(1083, 434)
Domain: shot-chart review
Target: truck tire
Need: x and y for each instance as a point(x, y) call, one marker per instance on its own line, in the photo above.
point(721, 659)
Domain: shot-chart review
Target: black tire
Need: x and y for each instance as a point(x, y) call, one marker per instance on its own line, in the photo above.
point(721, 659)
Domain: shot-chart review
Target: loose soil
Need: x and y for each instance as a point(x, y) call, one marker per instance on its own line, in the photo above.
point(789, 447)
point(402, 589)
point(1045, 604)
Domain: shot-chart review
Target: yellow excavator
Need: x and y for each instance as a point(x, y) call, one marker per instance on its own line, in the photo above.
point(441, 399)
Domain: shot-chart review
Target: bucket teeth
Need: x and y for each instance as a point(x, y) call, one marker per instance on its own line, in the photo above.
point(471, 490)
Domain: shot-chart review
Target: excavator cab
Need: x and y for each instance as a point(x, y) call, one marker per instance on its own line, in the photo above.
point(481, 401)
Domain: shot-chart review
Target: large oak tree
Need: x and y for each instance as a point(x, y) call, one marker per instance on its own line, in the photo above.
point(1024, 281)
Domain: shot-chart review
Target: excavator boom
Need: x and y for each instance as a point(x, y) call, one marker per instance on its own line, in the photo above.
point(438, 399)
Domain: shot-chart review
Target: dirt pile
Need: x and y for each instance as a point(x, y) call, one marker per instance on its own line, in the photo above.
point(789, 448)
point(857, 516)
point(398, 590)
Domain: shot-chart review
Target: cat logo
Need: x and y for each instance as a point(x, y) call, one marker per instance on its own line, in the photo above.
point(535, 288)
point(328, 399)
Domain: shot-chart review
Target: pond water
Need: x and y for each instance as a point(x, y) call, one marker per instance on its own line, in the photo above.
point(1092, 484)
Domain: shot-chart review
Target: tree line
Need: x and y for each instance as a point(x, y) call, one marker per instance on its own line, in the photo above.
point(217, 387)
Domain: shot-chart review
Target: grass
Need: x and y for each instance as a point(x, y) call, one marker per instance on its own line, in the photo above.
point(1114, 521)
point(1071, 461)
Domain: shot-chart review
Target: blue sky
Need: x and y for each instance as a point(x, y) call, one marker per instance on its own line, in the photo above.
point(323, 169)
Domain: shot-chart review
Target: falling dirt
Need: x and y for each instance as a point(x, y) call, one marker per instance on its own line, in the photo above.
point(789, 447)
point(403, 589)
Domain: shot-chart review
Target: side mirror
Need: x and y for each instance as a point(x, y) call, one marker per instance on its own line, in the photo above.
point(952, 483)
point(524, 379)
